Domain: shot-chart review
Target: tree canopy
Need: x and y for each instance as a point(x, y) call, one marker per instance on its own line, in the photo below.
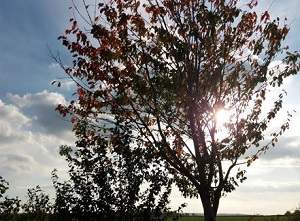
point(166, 68)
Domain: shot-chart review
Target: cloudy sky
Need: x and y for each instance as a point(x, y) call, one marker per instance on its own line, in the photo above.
point(31, 131)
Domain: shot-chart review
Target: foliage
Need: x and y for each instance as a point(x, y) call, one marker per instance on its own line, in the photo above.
point(293, 216)
point(38, 206)
point(9, 207)
point(111, 181)
point(3, 186)
point(296, 214)
point(166, 68)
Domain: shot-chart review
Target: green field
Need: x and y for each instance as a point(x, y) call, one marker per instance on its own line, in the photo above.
point(237, 218)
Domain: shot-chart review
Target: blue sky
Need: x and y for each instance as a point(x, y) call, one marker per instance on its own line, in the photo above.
point(31, 131)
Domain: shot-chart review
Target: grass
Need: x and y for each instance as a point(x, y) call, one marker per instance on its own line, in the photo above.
point(236, 218)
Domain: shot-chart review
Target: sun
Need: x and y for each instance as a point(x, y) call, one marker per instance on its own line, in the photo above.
point(222, 117)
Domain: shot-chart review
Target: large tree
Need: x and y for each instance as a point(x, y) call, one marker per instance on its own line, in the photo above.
point(168, 67)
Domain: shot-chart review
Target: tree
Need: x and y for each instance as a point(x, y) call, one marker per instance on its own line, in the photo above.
point(168, 67)
point(293, 216)
point(296, 214)
point(111, 181)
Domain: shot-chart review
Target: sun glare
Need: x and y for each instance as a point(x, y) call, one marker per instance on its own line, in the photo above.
point(222, 117)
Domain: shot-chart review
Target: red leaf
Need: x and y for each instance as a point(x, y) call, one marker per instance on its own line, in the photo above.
point(80, 91)
point(265, 16)
point(74, 25)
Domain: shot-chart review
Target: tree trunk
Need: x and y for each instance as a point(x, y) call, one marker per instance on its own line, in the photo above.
point(209, 214)
point(217, 197)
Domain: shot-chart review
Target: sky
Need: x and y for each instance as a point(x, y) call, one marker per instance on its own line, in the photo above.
point(31, 131)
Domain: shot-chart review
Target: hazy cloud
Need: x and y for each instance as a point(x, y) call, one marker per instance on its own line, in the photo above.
point(287, 147)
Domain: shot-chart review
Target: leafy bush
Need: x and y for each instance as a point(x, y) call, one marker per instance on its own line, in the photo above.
point(38, 206)
point(9, 207)
point(111, 181)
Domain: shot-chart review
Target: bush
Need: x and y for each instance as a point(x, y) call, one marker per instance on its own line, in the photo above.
point(293, 216)
point(9, 207)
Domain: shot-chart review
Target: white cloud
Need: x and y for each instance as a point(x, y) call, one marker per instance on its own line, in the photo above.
point(11, 123)
point(12, 114)
point(43, 98)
